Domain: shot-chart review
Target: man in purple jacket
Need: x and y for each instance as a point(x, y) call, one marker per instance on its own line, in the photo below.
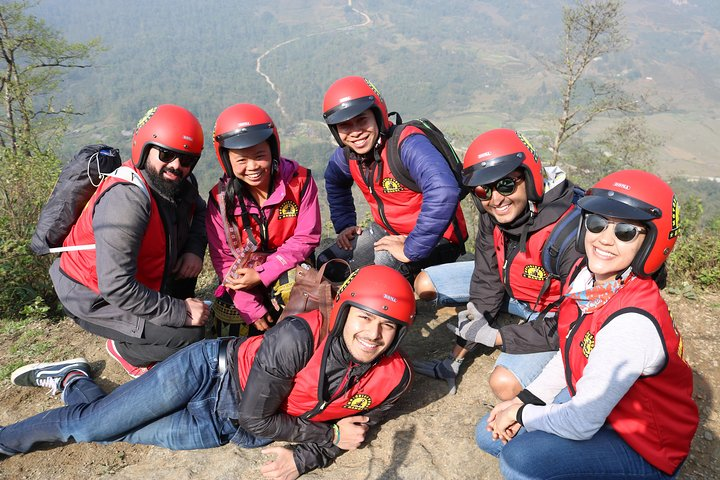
point(410, 230)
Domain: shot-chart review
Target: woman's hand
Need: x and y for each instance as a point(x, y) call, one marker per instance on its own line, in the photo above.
point(243, 279)
point(264, 323)
point(506, 425)
point(501, 421)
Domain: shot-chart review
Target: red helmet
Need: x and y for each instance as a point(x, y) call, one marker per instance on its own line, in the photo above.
point(379, 290)
point(168, 126)
point(496, 153)
point(348, 98)
point(643, 197)
point(241, 126)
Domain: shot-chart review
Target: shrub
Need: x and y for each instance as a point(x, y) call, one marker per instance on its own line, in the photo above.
point(26, 181)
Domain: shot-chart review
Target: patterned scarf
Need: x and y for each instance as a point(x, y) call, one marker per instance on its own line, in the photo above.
point(598, 295)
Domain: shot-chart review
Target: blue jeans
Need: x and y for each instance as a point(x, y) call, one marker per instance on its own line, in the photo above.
point(175, 405)
point(452, 284)
point(533, 455)
point(525, 366)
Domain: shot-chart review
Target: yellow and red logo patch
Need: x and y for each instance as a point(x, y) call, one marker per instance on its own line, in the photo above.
point(587, 344)
point(359, 402)
point(535, 272)
point(288, 209)
point(390, 185)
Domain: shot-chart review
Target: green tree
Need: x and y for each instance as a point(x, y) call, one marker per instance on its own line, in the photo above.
point(625, 145)
point(32, 61)
point(34, 58)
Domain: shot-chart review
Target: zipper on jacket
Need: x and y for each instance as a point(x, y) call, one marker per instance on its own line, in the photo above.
point(367, 174)
point(568, 343)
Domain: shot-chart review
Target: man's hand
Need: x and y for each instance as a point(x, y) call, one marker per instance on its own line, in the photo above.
point(345, 238)
point(197, 312)
point(243, 279)
point(264, 323)
point(283, 467)
point(473, 327)
point(394, 245)
point(188, 265)
point(352, 432)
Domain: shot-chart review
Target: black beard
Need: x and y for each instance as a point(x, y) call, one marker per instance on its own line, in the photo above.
point(167, 188)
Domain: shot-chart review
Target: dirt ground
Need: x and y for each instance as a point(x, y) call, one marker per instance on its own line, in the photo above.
point(428, 436)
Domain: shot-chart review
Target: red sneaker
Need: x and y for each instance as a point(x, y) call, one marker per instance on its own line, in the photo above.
point(132, 370)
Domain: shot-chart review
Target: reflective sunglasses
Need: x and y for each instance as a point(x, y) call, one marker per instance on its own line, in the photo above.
point(625, 232)
point(505, 186)
point(167, 156)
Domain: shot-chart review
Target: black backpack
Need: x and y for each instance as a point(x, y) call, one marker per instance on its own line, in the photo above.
point(439, 141)
point(562, 236)
point(76, 183)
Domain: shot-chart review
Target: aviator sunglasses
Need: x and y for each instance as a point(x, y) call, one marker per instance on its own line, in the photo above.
point(505, 186)
point(625, 232)
point(167, 156)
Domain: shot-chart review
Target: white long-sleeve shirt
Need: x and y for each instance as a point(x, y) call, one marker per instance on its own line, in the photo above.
point(626, 348)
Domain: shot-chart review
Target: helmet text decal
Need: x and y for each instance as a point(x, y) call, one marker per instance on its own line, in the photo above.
point(675, 219)
point(146, 117)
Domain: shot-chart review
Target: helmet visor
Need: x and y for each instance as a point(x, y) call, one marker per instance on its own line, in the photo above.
point(347, 110)
point(489, 171)
point(618, 205)
point(245, 137)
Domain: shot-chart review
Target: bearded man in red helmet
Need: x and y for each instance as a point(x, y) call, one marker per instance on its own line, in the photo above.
point(410, 229)
point(149, 237)
point(320, 383)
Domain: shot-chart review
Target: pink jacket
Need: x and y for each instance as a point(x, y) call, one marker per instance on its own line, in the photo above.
point(295, 249)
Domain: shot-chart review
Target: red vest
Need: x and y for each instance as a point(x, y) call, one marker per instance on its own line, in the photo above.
point(80, 265)
point(657, 417)
point(369, 392)
point(395, 206)
point(523, 274)
point(272, 231)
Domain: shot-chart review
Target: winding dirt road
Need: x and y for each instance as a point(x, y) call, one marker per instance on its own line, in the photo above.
point(258, 63)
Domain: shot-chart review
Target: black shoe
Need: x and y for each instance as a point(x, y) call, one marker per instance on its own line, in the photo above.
point(49, 375)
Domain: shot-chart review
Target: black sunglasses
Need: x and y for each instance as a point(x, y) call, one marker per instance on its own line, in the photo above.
point(505, 186)
point(167, 156)
point(625, 232)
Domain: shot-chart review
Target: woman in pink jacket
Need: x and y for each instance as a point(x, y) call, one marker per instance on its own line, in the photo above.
point(263, 219)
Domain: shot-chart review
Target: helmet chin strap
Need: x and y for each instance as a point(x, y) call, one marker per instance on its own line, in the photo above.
point(532, 206)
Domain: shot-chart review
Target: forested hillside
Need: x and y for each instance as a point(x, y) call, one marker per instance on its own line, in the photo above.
point(468, 65)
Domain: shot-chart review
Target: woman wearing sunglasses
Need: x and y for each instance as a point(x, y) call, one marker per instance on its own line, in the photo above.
point(263, 219)
point(631, 413)
point(520, 203)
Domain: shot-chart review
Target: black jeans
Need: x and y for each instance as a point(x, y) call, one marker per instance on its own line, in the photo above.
point(156, 343)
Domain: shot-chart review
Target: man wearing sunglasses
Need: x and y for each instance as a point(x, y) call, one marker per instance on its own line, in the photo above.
point(520, 204)
point(135, 287)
